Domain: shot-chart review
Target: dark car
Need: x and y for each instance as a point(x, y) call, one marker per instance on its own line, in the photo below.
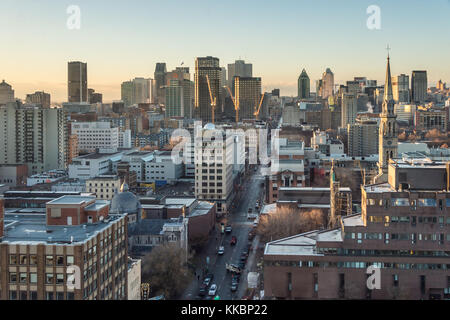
point(234, 286)
point(241, 265)
point(233, 241)
point(203, 289)
point(228, 229)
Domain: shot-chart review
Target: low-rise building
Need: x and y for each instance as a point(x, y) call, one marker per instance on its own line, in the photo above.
point(104, 187)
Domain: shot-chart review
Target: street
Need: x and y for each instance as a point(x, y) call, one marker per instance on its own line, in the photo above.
point(252, 190)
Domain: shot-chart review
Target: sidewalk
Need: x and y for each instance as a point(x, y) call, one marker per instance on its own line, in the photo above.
point(250, 267)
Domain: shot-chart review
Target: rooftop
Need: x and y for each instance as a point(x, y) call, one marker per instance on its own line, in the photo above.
point(71, 200)
point(302, 244)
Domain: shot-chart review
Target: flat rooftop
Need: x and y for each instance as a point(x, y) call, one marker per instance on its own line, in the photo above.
point(303, 244)
point(32, 229)
point(71, 200)
point(94, 156)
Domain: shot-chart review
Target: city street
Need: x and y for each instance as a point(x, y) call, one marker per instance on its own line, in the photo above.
point(252, 190)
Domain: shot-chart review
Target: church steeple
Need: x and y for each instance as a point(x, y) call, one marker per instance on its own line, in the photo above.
point(388, 92)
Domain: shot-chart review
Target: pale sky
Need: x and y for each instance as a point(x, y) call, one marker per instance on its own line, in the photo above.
point(121, 40)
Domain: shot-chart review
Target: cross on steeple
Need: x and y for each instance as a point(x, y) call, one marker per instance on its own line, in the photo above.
point(388, 49)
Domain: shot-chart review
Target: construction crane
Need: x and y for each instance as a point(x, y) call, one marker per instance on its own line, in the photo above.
point(235, 103)
point(259, 106)
point(213, 99)
point(363, 172)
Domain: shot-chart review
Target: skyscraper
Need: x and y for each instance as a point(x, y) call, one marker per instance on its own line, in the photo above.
point(327, 84)
point(138, 90)
point(39, 97)
point(174, 99)
point(160, 81)
point(304, 85)
point(6, 93)
point(419, 85)
point(239, 69)
point(388, 141)
point(400, 87)
point(77, 82)
point(247, 95)
point(349, 109)
point(207, 66)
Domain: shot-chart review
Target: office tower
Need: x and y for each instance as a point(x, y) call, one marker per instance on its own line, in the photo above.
point(247, 95)
point(160, 81)
point(353, 87)
point(319, 88)
point(388, 141)
point(349, 109)
point(77, 82)
point(400, 88)
point(95, 97)
point(175, 99)
point(239, 69)
point(419, 85)
point(400, 232)
point(207, 67)
point(138, 90)
point(223, 76)
point(362, 135)
point(34, 136)
point(304, 85)
point(39, 97)
point(214, 167)
point(6, 93)
point(38, 249)
point(327, 84)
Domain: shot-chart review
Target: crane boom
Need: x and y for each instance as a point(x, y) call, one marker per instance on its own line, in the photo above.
point(213, 99)
point(236, 106)
point(259, 107)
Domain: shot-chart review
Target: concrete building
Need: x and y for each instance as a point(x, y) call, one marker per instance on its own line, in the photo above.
point(51, 177)
point(6, 93)
point(362, 138)
point(138, 90)
point(94, 136)
point(428, 118)
point(303, 85)
point(160, 82)
point(38, 248)
point(34, 136)
point(77, 86)
point(134, 279)
point(103, 187)
point(419, 85)
point(214, 167)
point(207, 68)
point(94, 165)
point(405, 112)
point(402, 231)
point(94, 97)
point(400, 88)
point(163, 168)
point(39, 97)
point(322, 143)
point(349, 109)
point(13, 175)
point(239, 69)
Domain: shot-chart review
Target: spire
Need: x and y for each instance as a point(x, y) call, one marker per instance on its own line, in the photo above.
point(388, 95)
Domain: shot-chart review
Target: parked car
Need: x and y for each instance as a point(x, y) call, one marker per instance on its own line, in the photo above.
point(234, 286)
point(233, 241)
point(202, 290)
point(212, 290)
point(221, 250)
point(233, 268)
point(228, 229)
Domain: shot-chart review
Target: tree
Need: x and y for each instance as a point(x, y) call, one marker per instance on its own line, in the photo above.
point(286, 222)
point(165, 269)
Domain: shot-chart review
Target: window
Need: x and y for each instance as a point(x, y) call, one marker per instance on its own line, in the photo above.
point(427, 202)
point(12, 259)
point(400, 202)
point(33, 259)
point(23, 259)
point(33, 277)
point(23, 277)
point(12, 295)
point(12, 277)
point(49, 295)
point(70, 259)
point(395, 280)
point(49, 277)
point(60, 278)
point(59, 260)
point(49, 260)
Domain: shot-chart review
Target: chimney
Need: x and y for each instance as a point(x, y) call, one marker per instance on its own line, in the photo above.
point(2, 216)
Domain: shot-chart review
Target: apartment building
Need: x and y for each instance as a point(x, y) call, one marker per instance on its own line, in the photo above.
point(94, 136)
point(38, 250)
point(403, 231)
point(104, 187)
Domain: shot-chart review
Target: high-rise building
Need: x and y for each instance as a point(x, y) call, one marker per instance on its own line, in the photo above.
point(362, 140)
point(349, 109)
point(207, 67)
point(239, 69)
point(77, 82)
point(95, 97)
point(388, 140)
point(38, 249)
point(6, 93)
point(160, 81)
point(39, 97)
point(247, 95)
point(96, 135)
point(400, 88)
point(35, 136)
point(138, 90)
point(419, 85)
point(327, 84)
point(174, 99)
point(181, 76)
point(304, 85)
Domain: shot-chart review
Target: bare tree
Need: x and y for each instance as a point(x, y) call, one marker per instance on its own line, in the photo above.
point(165, 269)
point(287, 222)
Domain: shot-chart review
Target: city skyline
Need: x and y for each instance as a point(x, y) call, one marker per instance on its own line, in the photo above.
point(289, 39)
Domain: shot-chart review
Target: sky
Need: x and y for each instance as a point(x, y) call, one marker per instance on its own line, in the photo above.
point(121, 40)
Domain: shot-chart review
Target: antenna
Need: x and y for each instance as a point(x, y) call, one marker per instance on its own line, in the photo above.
point(388, 48)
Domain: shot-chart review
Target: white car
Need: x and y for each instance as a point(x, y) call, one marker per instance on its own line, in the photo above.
point(221, 250)
point(212, 290)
